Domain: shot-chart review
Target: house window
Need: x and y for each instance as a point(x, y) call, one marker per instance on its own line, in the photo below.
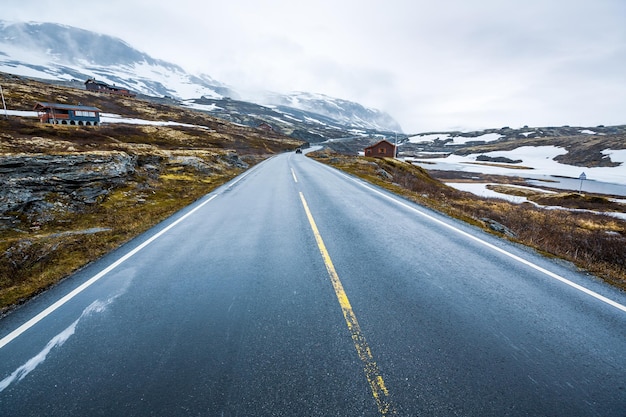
point(81, 113)
point(382, 150)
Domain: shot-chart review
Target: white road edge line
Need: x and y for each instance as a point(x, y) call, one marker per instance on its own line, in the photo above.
point(30, 323)
point(491, 246)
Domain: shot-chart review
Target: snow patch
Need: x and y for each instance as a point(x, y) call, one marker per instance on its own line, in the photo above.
point(454, 139)
point(462, 140)
point(202, 107)
point(481, 190)
point(540, 162)
point(19, 113)
point(616, 155)
point(429, 138)
point(116, 118)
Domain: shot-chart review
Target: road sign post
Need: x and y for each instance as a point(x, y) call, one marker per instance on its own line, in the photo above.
point(582, 177)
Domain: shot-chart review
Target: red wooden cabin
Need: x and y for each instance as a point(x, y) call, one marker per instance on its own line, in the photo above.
point(382, 149)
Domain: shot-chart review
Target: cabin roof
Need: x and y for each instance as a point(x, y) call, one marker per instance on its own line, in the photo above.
point(42, 106)
point(94, 81)
point(380, 143)
point(103, 84)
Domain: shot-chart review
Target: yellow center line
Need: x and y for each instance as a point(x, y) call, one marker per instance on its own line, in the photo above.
point(372, 373)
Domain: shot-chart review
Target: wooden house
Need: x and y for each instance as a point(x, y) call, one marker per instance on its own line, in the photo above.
point(65, 114)
point(382, 149)
point(102, 87)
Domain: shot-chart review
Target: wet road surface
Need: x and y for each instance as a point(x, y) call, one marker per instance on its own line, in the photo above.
point(298, 291)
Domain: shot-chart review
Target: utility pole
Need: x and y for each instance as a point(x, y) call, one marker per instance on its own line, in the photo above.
point(6, 114)
point(395, 146)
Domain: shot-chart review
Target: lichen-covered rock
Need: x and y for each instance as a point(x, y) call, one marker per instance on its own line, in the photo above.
point(40, 187)
point(384, 174)
point(28, 181)
point(193, 162)
point(232, 159)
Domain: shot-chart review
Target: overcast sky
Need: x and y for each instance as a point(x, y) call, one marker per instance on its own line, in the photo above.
point(431, 64)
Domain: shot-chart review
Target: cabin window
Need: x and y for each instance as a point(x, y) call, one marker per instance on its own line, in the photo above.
point(81, 113)
point(382, 150)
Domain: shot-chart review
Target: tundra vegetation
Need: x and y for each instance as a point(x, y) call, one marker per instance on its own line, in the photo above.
point(590, 239)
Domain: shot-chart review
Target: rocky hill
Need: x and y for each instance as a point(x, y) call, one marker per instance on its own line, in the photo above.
point(584, 145)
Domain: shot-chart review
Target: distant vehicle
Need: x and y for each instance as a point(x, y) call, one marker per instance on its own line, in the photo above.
point(298, 150)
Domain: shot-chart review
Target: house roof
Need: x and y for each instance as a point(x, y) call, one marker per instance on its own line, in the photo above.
point(102, 83)
point(379, 143)
point(42, 106)
point(94, 81)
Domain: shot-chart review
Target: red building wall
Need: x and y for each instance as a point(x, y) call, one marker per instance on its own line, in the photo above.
point(382, 149)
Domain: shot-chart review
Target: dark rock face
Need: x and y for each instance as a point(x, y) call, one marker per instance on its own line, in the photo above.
point(498, 159)
point(233, 159)
point(34, 184)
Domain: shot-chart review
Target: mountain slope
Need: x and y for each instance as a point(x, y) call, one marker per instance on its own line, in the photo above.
point(343, 111)
point(52, 51)
point(57, 52)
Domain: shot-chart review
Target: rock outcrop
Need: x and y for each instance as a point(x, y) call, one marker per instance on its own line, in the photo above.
point(39, 188)
point(35, 185)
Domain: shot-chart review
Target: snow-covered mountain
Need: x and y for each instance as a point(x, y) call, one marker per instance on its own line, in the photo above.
point(58, 52)
point(343, 111)
point(64, 53)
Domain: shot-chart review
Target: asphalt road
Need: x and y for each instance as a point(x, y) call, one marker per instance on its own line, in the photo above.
point(298, 291)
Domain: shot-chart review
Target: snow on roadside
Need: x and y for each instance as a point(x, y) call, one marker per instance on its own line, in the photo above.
point(481, 190)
